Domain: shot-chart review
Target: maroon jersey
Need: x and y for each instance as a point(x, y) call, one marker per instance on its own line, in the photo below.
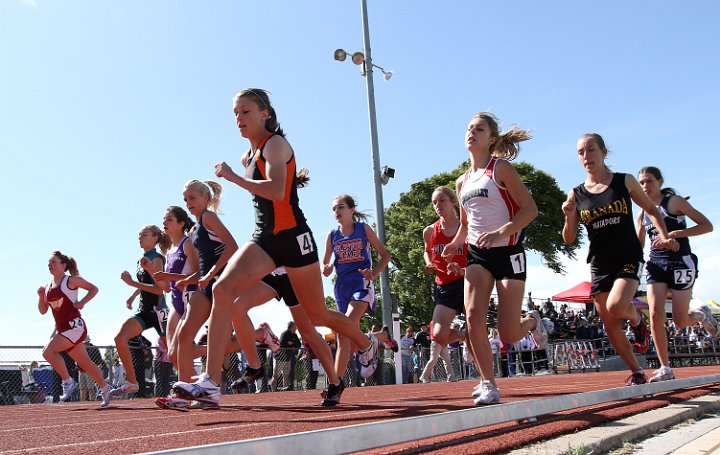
point(437, 243)
point(61, 300)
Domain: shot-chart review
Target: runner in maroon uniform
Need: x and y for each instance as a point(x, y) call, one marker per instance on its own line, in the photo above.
point(61, 296)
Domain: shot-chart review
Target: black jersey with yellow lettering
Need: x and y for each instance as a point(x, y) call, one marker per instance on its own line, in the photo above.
point(608, 218)
point(272, 217)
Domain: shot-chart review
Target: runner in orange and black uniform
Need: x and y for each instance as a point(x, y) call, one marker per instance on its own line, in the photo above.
point(281, 238)
point(280, 224)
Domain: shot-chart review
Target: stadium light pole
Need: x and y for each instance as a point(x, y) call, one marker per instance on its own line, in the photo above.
point(380, 176)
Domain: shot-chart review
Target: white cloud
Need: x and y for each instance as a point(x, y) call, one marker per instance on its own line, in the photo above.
point(32, 3)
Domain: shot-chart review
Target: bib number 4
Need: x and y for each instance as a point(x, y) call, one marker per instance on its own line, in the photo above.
point(305, 243)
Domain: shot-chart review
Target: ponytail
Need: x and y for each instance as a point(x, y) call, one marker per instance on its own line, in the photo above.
point(182, 217)
point(216, 191)
point(507, 144)
point(262, 100)
point(164, 240)
point(208, 187)
point(70, 263)
point(303, 178)
point(358, 216)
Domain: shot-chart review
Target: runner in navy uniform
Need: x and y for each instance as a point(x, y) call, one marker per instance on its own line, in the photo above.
point(603, 204)
point(671, 270)
point(215, 246)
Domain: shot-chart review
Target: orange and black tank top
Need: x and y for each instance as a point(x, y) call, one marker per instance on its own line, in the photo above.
point(272, 217)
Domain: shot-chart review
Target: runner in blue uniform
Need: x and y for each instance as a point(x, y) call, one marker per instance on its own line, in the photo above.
point(350, 244)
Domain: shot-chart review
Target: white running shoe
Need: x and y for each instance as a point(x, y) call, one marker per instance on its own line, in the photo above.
point(539, 333)
point(128, 387)
point(68, 388)
point(106, 396)
point(663, 373)
point(476, 389)
point(366, 361)
point(204, 389)
point(269, 338)
point(487, 393)
point(709, 323)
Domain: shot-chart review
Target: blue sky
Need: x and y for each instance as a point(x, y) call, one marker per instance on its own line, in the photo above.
point(106, 109)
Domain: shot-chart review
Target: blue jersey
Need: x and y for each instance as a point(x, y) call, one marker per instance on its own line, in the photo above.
point(208, 245)
point(673, 223)
point(351, 252)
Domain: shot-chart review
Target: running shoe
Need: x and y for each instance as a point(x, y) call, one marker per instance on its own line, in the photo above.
point(251, 375)
point(106, 396)
point(642, 334)
point(709, 323)
point(128, 387)
point(204, 389)
point(477, 389)
point(269, 338)
point(68, 388)
point(366, 361)
point(539, 333)
point(486, 393)
point(174, 403)
point(663, 373)
point(199, 404)
point(332, 394)
point(636, 378)
point(424, 381)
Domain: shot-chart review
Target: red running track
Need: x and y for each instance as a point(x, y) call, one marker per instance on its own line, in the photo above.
point(133, 426)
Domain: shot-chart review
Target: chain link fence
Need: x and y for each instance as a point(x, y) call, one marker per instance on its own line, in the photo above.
point(25, 377)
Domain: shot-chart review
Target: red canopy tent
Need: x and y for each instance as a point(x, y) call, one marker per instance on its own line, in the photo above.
point(579, 293)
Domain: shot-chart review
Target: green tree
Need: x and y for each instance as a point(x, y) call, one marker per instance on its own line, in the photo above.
point(406, 219)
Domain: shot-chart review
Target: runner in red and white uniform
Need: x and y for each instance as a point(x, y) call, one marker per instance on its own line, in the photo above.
point(449, 284)
point(495, 207)
point(61, 296)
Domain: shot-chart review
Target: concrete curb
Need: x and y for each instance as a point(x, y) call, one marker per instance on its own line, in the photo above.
point(614, 434)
